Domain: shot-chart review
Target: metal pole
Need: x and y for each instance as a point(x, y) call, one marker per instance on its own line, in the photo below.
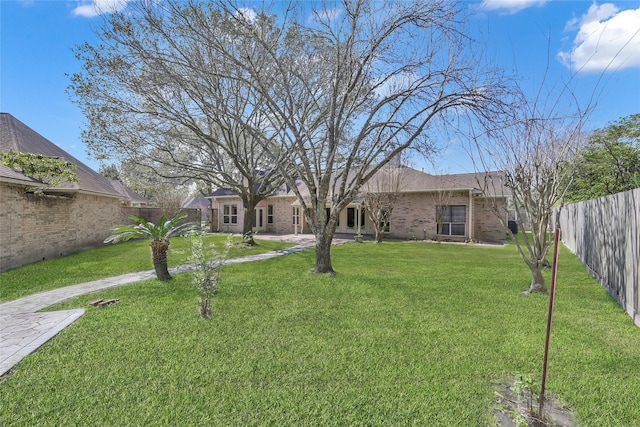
point(554, 275)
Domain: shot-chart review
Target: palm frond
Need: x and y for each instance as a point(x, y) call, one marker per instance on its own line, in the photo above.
point(165, 229)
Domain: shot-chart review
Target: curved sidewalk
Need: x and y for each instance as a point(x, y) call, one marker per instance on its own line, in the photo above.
point(23, 329)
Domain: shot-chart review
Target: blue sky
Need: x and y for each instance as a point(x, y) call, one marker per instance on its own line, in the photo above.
point(578, 38)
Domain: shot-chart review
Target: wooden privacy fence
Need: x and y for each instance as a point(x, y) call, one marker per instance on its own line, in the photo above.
point(154, 214)
point(605, 234)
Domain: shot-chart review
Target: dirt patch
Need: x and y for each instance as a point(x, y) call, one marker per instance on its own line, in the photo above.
point(516, 406)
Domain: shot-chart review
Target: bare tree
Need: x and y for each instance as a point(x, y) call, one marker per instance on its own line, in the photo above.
point(171, 200)
point(535, 154)
point(326, 92)
point(348, 86)
point(157, 95)
point(144, 180)
point(381, 194)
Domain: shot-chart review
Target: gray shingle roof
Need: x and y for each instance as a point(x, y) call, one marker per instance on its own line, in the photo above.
point(15, 135)
point(222, 192)
point(413, 180)
point(9, 175)
point(128, 193)
point(200, 202)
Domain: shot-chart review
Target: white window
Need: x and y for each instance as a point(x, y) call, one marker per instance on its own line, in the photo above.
point(296, 216)
point(269, 214)
point(451, 220)
point(230, 214)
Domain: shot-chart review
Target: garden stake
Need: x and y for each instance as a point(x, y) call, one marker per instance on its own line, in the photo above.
point(554, 275)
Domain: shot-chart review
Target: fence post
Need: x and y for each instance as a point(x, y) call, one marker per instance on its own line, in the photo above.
point(545, 364)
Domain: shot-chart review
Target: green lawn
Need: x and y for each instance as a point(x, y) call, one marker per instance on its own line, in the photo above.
point(108, 261)
point(405, 334)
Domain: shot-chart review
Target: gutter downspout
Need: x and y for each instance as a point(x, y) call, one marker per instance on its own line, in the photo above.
point(471, 223)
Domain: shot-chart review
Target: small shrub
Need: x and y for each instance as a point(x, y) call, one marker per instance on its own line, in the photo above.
point(524, 388)
point(206, 273)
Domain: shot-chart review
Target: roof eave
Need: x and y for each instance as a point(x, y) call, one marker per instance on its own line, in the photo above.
point(24, 182)
point(88, 192)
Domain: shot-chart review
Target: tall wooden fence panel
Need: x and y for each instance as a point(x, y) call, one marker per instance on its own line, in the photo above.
point(154, 214)
point(605, 234)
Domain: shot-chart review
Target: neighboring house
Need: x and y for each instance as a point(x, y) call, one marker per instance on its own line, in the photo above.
point(201, 203)
point(60, 220)
point(129, 197)
point(447, 207)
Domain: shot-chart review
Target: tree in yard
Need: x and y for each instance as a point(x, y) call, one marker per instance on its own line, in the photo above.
point(154, 182)
point(534, 153)
point(381, 194)
point(171, 200)
point(167, 194)
point(160, 235)
point(346, 87)
point(609, 163)
point(206, 272)
point(157, 93)
point(110, 171)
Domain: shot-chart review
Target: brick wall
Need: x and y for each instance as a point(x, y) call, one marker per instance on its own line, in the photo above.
point(413, 217)
point(34, 227)
point(487, 224)
point(283, 216)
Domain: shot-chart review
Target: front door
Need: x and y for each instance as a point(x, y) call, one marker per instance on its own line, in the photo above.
point(259, 220)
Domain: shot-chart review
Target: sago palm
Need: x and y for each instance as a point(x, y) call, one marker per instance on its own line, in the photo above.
point(159, 233)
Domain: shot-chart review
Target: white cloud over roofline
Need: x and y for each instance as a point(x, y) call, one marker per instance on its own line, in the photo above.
point(92, 8)
point(607, 39)
point(510, 6)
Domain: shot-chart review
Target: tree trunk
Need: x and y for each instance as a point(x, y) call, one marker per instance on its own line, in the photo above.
point(247, 225)
point(205, 308)
point(537, 281)
point(159, 250)
point(323, 252)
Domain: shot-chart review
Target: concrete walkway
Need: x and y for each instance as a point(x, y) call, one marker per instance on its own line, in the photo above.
point(23, 329)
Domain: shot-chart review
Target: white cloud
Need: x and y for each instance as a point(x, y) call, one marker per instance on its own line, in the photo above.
point(247, 14)
point(98, 7)
point(510, 6)
point(396, 83)
point(607, 39)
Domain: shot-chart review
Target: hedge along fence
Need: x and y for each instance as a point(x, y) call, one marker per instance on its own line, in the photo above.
point(605, 234)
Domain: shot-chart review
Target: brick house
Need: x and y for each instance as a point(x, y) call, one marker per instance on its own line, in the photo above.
point(63, 219)
point(449, 207)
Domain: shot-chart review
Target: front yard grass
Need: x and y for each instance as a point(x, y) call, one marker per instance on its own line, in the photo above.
point(405, 334)
point(109, 261)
